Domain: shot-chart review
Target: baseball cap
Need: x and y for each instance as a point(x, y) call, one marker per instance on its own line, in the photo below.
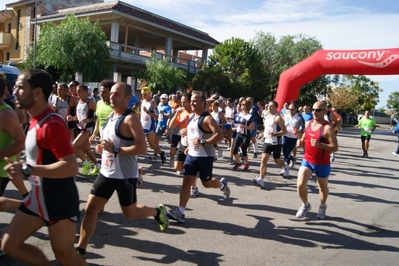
point(164, 96)
point(145, 90)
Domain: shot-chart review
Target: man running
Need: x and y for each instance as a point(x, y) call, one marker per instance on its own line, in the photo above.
point(202, 133)
point(50, 169)
point(319, 140)
point(367, 126)
point(123, 140)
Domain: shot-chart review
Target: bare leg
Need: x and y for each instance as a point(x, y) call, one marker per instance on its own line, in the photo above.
point(89, 222)
point(304, 174)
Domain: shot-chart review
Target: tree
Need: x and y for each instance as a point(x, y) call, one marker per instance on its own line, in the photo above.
point(161, 75)
point(365, 90)
point(280, 55)
point(234, 69)
point(393, 101)
point(342, 99)
point(75, 45)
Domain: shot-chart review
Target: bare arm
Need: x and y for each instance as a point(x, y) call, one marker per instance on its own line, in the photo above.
point(14, 130)
point(210, 124)
point(280, 122)
point(329, 134)
point(65, 167)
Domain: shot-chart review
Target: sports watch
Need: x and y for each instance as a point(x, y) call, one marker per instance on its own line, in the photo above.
point(27, 170)
point(116, 149)
point(203, 142)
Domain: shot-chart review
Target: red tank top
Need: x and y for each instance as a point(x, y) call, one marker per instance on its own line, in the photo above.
point(316, 155)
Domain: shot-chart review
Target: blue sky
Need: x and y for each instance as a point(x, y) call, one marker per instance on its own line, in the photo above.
point(337, 24)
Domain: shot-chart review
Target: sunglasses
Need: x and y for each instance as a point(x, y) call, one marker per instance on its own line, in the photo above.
point(291, 109)
point(317, 110)
point(71, 85)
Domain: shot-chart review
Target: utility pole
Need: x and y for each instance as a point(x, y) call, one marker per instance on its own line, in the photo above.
point(35, 37)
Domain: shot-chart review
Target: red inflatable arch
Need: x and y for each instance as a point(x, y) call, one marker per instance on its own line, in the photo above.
point(348, 62)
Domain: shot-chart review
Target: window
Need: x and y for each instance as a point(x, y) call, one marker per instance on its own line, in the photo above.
point(9, 28)
point(8, 56)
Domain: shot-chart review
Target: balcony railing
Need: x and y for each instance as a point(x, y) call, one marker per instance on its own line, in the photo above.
point(139, 55)
point(5, 40)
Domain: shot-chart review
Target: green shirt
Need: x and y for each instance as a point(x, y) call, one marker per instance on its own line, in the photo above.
point(102, 112)
point(5, 141)
point(366, 126)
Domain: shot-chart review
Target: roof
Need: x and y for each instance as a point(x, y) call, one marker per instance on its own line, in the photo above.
point(19, 3)
point(129, 10)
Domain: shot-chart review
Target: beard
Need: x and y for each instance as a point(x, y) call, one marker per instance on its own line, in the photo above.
point(26, 103)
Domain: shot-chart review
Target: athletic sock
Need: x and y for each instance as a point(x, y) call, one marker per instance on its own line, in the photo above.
point(181, 209)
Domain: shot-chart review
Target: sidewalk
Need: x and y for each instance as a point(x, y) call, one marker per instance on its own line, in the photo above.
point(255, 226)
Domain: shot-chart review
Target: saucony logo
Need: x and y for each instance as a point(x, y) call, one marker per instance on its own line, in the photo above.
point(375, 56)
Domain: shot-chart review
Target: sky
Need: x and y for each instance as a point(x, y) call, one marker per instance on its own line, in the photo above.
point(337, 24)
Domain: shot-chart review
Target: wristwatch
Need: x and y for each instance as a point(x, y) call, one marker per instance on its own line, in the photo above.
point(116, 149)
point(27, 170)
point(203, 142)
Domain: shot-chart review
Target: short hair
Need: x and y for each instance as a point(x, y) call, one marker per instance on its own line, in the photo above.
point(39, 78)
point(75, 83)
point(63, 86)
point(107, 83)
point(274, 103)
point(203, 97)
point(95, 89)
point(83, 87)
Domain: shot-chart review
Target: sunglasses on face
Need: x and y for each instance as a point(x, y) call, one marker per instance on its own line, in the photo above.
point(317, 110)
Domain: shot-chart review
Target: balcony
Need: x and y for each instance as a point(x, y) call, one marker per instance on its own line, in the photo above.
point(139, 56)
point(5, 40)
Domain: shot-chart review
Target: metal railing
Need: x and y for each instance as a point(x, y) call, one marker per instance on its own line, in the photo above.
point(139, 55)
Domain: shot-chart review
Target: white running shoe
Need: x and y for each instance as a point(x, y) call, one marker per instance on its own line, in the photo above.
point(301, 213)
point(259, 182)
point(322, 212)
point(194, 192)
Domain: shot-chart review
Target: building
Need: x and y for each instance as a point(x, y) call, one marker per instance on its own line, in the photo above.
point(133, 34)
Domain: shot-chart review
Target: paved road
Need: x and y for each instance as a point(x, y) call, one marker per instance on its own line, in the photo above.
point(255, 226)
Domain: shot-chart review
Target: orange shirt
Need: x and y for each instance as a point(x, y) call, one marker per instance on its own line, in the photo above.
point(174, 104)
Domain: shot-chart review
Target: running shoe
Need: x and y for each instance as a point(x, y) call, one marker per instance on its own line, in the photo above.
point(163, 157)
point(332, 157)
point(236, 166)
point(292, 162)
point(172, 162)
point(162, 218)
point(226, 189)
point(81, 252)
point(259, 182)
point(95, 171)
point(395, 153)
point(232, 161)
point(140, 179)
point(194, 192)
point(303, 210)
point(175, 214)
point(86, 168)
point(322, 212)
point(246, 167)
point(220, 153)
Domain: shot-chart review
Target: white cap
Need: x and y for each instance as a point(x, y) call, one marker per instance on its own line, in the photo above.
point(164, 96)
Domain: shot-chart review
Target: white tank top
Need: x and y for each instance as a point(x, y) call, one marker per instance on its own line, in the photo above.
point(145, 119)
point(193, 131)
point(270, 126)
point(121, 166)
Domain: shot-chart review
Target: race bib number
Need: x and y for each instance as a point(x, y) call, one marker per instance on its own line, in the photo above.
point(109, 162)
